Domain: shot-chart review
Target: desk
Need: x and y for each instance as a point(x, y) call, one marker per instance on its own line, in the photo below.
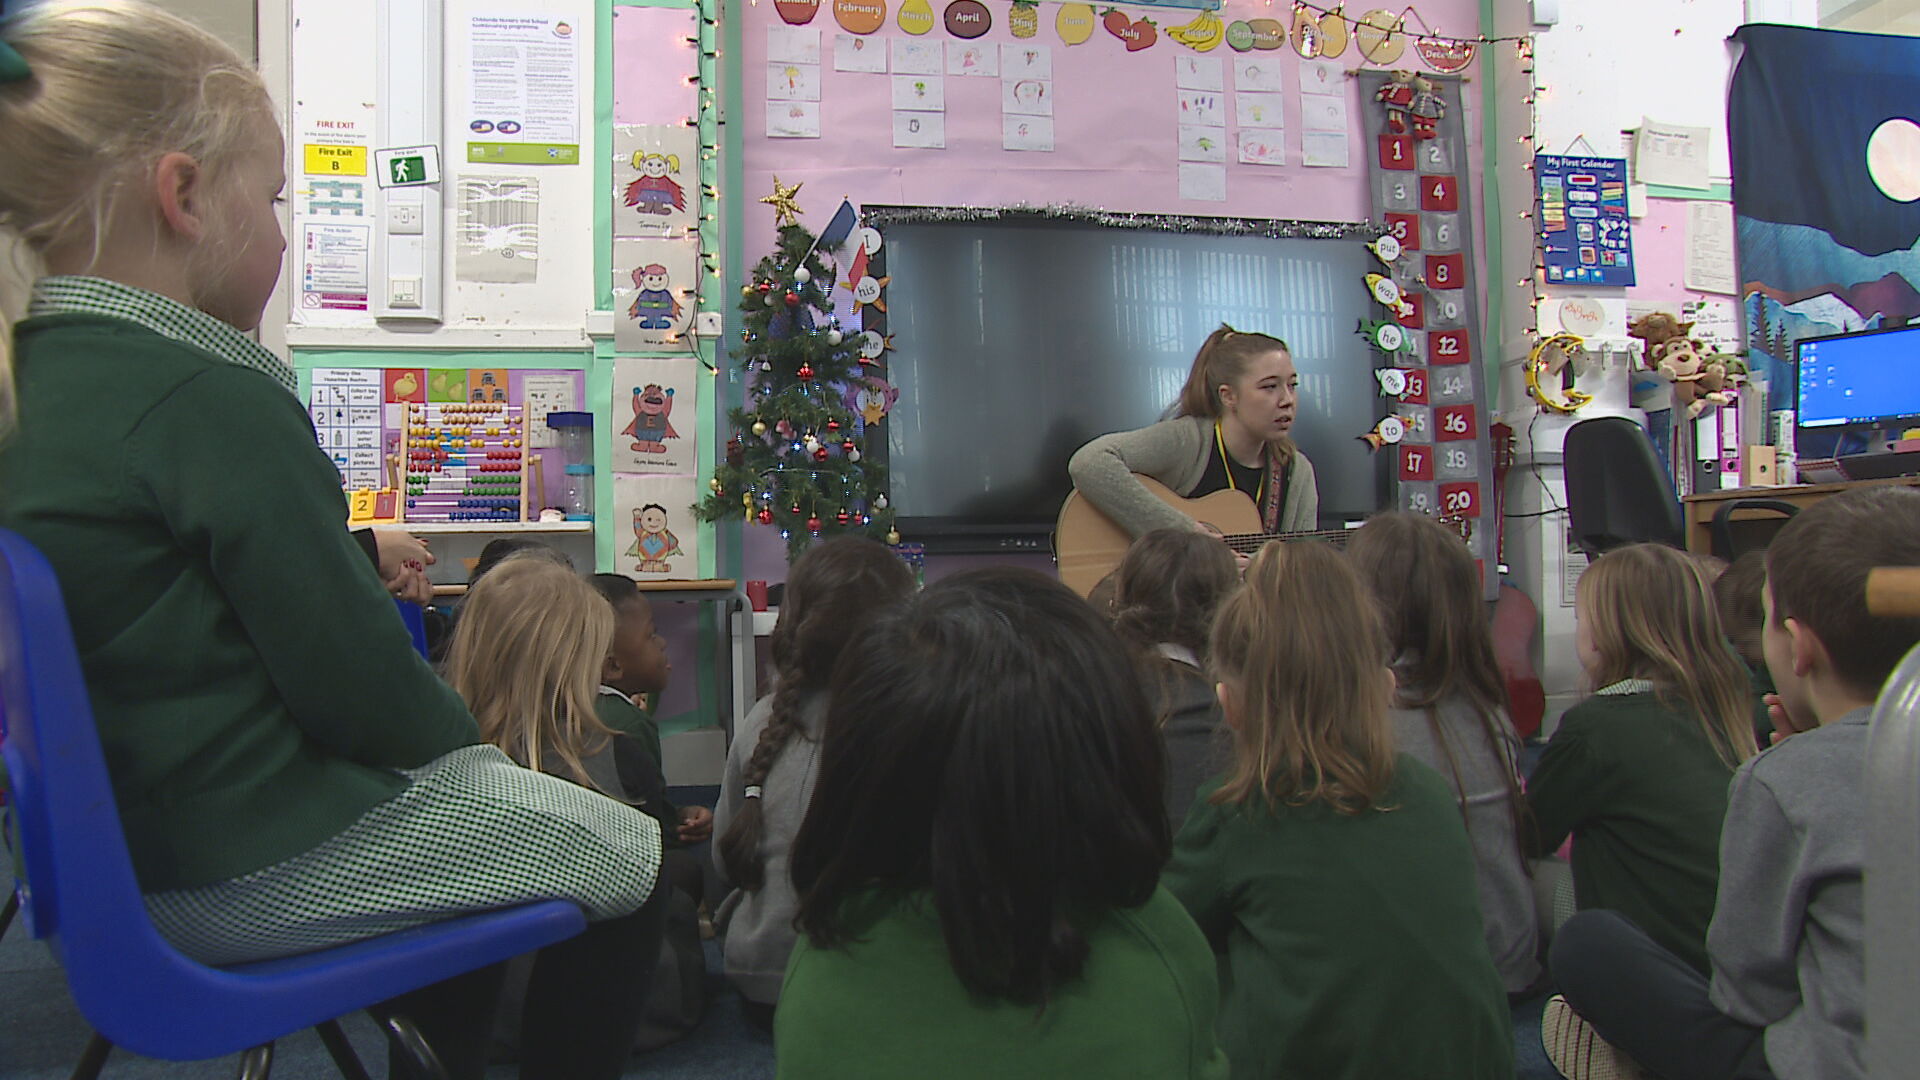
point(1699, 509)
point(736, 630)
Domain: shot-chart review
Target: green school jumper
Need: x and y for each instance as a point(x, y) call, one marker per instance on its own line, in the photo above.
point(242, 657)
point(1352, 944)
point(617, 711)
point(888, 1006)
point(1643, 793)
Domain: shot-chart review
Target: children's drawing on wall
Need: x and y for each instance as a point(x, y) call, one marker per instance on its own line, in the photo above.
point(653, 292)
point(654, 418)
point(656, 180)
point(659, 536)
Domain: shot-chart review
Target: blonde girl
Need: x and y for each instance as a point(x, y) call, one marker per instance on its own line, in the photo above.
point(1334, 875)
point(1231, 430)
point(290, 775)
point(1638, 773)
point(1450, 712)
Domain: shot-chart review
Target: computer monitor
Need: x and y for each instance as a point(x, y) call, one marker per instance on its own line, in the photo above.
point(1860, 380)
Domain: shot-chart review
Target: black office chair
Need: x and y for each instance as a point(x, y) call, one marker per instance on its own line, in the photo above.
point(1618, 493)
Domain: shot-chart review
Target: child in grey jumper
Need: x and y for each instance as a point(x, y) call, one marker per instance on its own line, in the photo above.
point(833, 591)
point(1787, 994)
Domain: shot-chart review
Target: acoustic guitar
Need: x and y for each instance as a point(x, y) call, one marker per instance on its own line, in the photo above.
point(1088, 545)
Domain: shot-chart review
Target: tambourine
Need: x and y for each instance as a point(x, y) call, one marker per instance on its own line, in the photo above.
point(1544, 365)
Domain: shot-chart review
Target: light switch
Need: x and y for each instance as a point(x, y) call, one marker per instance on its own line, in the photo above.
point(404, 219)
point(403, 292)
point(707, 324)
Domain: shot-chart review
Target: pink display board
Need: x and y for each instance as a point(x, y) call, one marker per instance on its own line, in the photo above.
point(1116, 125)
point(652, 60)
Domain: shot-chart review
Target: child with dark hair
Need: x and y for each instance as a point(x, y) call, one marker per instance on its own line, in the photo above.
point(1737, 593)
point(1450, 712)
point(1786, 997)
point(979, 870)
point(1332, 873)
point(636, 665)
point(1165, 593)
point(833, 592)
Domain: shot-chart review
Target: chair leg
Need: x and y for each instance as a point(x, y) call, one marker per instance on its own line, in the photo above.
point(406, 1038)
point(93, 1058)
point(344, 1058)
point(257, 1062)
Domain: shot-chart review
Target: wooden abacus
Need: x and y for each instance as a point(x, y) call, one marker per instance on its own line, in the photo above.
point(464, 462)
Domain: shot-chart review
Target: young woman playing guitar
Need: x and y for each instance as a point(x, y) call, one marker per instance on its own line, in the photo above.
point(1229, 431)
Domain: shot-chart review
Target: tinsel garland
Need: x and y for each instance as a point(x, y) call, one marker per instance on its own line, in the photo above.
point(882, 216)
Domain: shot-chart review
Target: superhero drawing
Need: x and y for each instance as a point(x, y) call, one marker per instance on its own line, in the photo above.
point(651, 426)
point(653, 544)
point(654, 306)
point(656, 192)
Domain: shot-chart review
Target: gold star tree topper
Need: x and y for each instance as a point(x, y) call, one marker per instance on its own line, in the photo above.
point(785, 208)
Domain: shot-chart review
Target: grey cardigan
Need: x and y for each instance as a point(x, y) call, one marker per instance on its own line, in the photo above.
point(1475, 772)
point(1175, 453)
point(1787, 942)
point(758, 925)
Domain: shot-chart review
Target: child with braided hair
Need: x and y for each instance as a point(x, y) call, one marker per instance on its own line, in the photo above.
point(833, 591)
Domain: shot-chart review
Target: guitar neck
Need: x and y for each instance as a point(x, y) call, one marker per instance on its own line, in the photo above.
point(1248, 543)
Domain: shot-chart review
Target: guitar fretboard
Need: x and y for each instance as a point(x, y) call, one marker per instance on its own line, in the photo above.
point(1248, 543)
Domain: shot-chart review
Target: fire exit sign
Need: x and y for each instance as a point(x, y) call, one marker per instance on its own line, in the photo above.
point(407, 166)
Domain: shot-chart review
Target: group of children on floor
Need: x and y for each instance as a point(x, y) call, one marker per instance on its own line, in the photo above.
point(947, 860)
point(960, 833)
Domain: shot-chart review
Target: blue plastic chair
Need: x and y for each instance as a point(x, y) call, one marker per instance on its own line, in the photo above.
point(79, 893)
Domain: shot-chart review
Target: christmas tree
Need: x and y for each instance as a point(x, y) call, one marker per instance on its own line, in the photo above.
point(796, 459)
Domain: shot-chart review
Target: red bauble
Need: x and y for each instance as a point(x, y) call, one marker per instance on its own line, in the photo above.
point(813, 524)
point(766, 517)
point(766, 286)
point(842, 517)
point(847, 446)
point(820, 454)
point(805, 372)
point(793, 299)
point(833, 425)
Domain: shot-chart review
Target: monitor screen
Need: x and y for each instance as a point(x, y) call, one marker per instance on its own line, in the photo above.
point(1869, 378)
point(1016, 342)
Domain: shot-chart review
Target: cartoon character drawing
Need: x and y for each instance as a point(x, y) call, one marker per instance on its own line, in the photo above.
point(654, 306)
point(871, 397)
point(653, 544)
point(651, 427)
point(656, 192)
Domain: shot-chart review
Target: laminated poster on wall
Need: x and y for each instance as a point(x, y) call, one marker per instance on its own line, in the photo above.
point(547, 392)
point(655, 418)
point(497, 229)
point(656, 179)
point(653, 292)
point(1586, 237)
point(656, 536)
point(523, 91)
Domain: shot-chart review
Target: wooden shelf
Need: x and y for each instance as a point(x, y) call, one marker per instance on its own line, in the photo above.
point(488, 528)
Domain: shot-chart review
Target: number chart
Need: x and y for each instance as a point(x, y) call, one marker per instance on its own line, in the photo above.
point(465, 462)
point(1436, 387)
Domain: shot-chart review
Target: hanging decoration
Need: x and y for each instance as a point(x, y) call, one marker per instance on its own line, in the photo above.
point(883, 216)
point(1546, 364)
point(797, 12)
point(1333, 33)
point(860, 16)
point(1378, 35)
point(1074, 23)
point(786, 209)
point(968, 19)
point(1388, 432)
point(916, 17)
point(1203, 34)
point(1306, 33)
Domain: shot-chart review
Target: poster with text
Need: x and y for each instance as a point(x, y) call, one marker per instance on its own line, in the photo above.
point(655, 418)
point(1586, 237)
point(656, 179)
point(655, 536)
point(652, 292)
